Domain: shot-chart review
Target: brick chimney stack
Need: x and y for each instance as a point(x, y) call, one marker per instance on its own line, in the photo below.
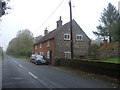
point(45, 31)
point(59, 22)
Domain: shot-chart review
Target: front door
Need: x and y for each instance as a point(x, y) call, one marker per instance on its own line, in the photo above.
point(50, 56)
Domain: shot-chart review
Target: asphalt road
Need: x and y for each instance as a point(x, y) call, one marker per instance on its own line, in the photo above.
point(18, 73)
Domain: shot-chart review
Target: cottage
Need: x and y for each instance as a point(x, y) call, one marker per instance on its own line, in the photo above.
point(109, 50)
point(56, 44)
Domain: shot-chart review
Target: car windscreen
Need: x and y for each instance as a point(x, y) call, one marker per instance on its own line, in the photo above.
point(39, 56)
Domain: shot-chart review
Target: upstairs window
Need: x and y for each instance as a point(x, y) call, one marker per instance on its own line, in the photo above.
point(35, 46)
point(66, 36)
point(67, 54)
point(40, 45)
point(48, 43)
point(79, 37)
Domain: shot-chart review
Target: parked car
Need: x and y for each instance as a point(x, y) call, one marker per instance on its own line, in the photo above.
point(38, 59)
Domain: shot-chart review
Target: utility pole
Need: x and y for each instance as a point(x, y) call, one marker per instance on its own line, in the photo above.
point(71, 31)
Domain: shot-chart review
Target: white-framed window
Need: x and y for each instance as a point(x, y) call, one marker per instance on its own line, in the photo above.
point(48, 43)
point(35, 46)
point(40, 45)
point(41, 53)
point(48, 54)
point(79, 37)
point(66, 36)
point(67, 54)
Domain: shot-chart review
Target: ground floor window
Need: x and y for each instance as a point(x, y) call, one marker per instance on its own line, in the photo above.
point(67, 54)
point(48, 54)
point(41, 53)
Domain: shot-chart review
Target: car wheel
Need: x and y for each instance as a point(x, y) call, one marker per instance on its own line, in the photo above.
point(40, 63)
point(36, 63)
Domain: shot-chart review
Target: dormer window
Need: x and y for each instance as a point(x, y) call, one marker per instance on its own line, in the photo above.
point(66, 36)
point(79, 37)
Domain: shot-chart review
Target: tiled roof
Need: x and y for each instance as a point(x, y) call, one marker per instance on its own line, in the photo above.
point(52, 34)
point(108, 46)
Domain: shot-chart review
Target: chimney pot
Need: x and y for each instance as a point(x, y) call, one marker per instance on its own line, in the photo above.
point(46, 31)
point(59, 22)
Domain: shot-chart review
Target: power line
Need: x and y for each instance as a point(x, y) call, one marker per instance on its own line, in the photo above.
point(59, 14)
point(49, 16)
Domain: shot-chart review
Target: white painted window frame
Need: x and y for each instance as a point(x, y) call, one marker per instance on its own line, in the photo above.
point(79, 38)
point(66, 56)
point(68, 38)
point(35, 47)
point(48, 54)
point(40, 45)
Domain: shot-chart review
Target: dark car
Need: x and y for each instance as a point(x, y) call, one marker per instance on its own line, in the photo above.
point(38, 59)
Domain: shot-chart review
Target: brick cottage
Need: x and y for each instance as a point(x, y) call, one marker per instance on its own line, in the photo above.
point(56, 44)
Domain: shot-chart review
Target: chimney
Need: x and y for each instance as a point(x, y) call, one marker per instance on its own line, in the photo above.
point(45, 31)
point(105, 41)
point(59, 22)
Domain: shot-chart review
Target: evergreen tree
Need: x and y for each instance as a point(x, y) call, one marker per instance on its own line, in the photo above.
point(109, 17)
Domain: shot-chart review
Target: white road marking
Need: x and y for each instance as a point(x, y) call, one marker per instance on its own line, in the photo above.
point(32, 75)
point(38, 79)
point(20, 65)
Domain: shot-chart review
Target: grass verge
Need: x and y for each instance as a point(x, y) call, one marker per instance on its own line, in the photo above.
point(109, 60)
point(0, 57)
point(112, 60)
point(23, 57)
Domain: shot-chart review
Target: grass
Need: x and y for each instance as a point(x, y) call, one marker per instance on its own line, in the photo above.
point(112, 60)
point(23, 57)
point(109, 60)
point(0, 57)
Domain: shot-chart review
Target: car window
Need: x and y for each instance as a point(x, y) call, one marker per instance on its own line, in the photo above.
point(39, 56)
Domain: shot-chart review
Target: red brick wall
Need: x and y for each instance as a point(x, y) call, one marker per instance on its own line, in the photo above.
point(44, 48)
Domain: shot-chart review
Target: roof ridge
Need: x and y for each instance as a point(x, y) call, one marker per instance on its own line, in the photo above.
point(109, 45)
point(52, 33)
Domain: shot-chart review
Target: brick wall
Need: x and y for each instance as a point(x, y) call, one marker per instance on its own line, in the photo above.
point(45, 48)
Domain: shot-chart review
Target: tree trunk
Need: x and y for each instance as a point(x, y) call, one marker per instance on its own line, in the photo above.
point(110, 39)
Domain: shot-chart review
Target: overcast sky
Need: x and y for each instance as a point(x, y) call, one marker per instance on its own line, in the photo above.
point(31, 14)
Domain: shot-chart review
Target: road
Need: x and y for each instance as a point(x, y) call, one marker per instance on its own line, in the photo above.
point(18, 73)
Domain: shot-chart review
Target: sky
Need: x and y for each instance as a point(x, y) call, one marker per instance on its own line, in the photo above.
point(36, 15)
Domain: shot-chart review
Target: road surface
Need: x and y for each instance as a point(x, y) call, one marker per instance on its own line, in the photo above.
point(18, 73)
